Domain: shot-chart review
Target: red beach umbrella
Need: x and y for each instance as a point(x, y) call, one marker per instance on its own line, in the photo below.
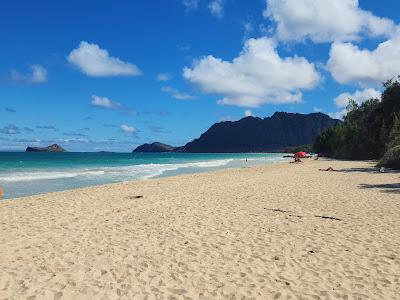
point(300, 154)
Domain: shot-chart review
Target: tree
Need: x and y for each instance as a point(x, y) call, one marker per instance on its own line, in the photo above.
point(369, 130)
point(394, 137)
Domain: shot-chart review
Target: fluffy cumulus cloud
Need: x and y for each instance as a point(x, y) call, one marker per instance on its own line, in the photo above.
point(96, 62)
point(216, 8)
point(350, 64)
point(325, 21)
point(128, 129)
point(177, 94)
point(358, 96)
point(38, 75)
point(257, 76)
point(104, 102)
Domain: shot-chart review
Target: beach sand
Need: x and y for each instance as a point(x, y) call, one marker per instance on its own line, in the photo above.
point(278, 231)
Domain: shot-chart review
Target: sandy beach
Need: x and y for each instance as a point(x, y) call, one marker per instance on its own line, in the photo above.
point(278, 231)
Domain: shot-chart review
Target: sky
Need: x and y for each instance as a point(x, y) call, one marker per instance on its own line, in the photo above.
point(111, 75)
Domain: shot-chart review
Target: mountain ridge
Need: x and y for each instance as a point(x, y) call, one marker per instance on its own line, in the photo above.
point(254, 134)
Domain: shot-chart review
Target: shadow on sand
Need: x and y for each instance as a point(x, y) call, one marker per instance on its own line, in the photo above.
point(359, 170)
point(393, 188)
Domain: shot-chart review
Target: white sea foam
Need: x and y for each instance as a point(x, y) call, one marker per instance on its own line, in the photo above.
point(143, 171)
point(31, 176)
point(147, 171)
point(124, 173)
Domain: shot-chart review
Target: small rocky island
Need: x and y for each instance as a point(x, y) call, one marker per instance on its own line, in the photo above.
point(51, 148)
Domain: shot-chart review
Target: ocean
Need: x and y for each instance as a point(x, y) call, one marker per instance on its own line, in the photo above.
point(30, 173)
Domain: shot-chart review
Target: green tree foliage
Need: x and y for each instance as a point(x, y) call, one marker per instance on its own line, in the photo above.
point(368, 130)
point(391, 159)
point(394, 137)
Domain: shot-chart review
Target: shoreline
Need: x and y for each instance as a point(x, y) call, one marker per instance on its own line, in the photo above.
point(276, 230)
point(165, 174)
point(58, 176)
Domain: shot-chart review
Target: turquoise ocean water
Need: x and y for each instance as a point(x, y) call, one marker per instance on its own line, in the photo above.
point(24, 174)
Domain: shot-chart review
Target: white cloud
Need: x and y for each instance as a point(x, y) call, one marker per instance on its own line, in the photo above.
point(177, 94)
point(342, 100)
point(190, 4)
point(38, 75)
point(350, 64)
point(257, 76)
point(104, 102)
point(128, 129)
point(216, 8)
point(358, 96)
point(248, 113)
point(325, 21)
point(96, 62)
point(338, 115)
point(163, 77)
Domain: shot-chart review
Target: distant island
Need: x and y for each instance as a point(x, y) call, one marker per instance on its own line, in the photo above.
point(51, 148)
point(252, 134)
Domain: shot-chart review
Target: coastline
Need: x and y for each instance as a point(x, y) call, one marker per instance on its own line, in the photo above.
point(39, 173)
point(135, 181)
point(268, 231)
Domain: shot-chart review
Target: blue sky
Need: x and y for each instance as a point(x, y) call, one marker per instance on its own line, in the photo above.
point(93, 75)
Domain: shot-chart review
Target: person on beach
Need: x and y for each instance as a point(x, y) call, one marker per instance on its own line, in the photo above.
point(330, 169)
point(296, 160)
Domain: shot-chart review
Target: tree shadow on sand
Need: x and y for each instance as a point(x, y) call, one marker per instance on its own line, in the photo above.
point(371, 169)
point(359, 170)
point(393, 188)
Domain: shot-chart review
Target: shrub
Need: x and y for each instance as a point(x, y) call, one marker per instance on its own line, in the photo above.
point(391, 159)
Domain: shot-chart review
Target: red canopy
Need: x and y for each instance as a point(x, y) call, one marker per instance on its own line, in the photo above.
point(301, 154)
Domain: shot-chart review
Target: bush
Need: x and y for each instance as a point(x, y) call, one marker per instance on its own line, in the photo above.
point(391, 159)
